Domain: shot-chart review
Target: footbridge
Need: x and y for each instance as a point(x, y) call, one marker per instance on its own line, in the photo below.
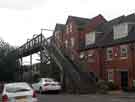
point(73, 78)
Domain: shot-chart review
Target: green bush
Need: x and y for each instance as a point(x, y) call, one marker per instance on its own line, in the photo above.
point(112, 85)
point(105, 86)
point(102, 86)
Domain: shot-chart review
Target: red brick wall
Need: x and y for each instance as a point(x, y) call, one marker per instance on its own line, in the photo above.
point(93, 61)
point(132, 60)
point(74, 34)
point(59, 42)
point(96, 65)
point(119, 64)
point(100, 65)
point(94, 23)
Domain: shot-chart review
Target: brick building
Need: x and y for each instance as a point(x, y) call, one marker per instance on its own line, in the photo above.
point(89, 50)
point(58, 35)
point(71, 35)
point(118, 50)
point(107, 47)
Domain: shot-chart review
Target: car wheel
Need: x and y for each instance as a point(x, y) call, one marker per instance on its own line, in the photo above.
point(40, 90)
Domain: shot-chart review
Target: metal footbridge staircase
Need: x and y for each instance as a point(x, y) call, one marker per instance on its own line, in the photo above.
point(74, 78)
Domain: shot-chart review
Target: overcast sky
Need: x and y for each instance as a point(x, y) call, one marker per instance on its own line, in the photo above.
point(20, 19)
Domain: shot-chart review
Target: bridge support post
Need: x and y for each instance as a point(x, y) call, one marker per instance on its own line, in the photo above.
point(41, 56)
point(21, 69)
point(31, 79)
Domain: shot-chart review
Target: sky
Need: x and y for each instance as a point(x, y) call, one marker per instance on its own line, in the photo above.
point(21, 19)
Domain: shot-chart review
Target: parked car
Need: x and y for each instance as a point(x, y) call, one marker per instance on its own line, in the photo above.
point(18, 92)
point(46, 84)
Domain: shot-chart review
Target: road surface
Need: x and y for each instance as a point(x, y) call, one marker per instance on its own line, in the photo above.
point(85, 98)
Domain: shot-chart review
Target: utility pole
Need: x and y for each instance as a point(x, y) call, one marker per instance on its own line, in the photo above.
point(31, 67)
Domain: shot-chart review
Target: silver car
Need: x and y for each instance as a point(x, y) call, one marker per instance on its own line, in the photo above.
point(18, 92)
point(46, 84)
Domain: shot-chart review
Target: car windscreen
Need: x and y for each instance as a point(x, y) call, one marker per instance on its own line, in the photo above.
point(16, 88)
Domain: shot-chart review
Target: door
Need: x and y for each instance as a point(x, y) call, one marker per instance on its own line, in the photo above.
point(124, 80)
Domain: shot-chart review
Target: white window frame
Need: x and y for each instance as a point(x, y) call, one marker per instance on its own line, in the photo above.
point(120, 31)
point(72, 42)
point(110, 75)
point(82, 55)
point(67, 28)
point(108, 53)
point(70, 27)
point(90, 38)
point(66, 43)
point(125, 47)
point(57, 35)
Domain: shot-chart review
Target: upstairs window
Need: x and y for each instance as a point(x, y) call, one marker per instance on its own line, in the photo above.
point(120, 30)
point(90, 38)
point(124, 51)
point(109, 53)
point(69, 28)
point(57, 35)
point(110, 75)
point(72, 42)
point(66, 44)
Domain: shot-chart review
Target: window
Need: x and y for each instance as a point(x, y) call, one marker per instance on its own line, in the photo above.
point(72, 57)
point(123, 51)
point(89, 38)
point(90, 56)
point(66, 44)
point(82, 55)
point(72, 42)
point(120, 30)
point(70, 27)
point(57, 35)
point(67, 29)
point(109, 53)
point(110, 75)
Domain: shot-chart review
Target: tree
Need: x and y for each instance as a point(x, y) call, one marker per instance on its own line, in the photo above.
point(7, 61)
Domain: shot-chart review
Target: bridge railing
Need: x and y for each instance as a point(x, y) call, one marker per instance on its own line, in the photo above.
point(31, 45)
